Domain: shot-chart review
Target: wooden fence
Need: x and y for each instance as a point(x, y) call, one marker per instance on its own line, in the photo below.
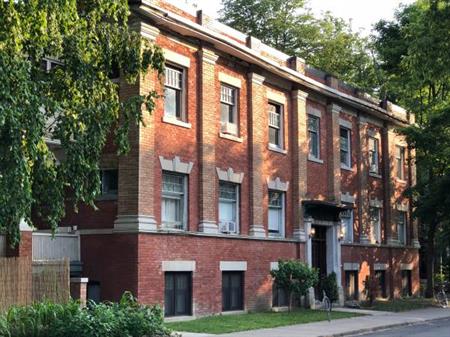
point(23, 282)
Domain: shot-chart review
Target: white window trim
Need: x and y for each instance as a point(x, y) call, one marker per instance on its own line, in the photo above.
point(229, 175)
point(230, 80)
point(377, 148)
point(235, 109)
point(176, 165)
point(277, 98)
point(237, 187)
point(185, 204)
point(376, 231)
point(282, 232)
point(183, 122)
point(313, 157)
point(350, 229)
point(233, 265)
point(176, 59)
point(348, 165)
point(403, 162)
point(405, 225)
point(178, 266)
point(281, 134)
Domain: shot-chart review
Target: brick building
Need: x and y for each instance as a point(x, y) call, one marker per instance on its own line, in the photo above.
point(250, 157)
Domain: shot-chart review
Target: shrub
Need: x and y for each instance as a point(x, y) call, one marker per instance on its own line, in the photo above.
point(295, 277)
point(371, 288)
point(329, 285)
point(127, 318)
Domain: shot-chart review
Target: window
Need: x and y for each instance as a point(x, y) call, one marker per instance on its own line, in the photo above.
point(401, 227)
point(347, 225)
point(400, 162)
point(373, 155)
point(351, 285)
point(109, 182)
point(406, 283)
point(173, 203)
point(375, 224)
point(174, 93)
point(276, 125)
point(232, 290)
point(280, 296)
point(228, 207)
point(228, 110)
point(178, 294)
point(381, 277)
point(314, 136)
point(276, 213)
point(345, 148)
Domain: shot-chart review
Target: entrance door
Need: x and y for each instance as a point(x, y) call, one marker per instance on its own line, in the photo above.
point(319, 255)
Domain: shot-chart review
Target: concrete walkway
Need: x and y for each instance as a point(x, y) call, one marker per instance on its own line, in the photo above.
point(344, 327)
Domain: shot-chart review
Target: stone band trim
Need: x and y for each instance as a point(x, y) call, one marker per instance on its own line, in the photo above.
point(135, 223)
point(347, 198)
point(348, 266)
point(176, 58)
point(230, 176)
point(380, 266)
point(233, 265)
point(256, 78)
point(345, 123)
point(402, 207)
point(227, 79)
point(376, 203)
point(178, 265)
point(276, 97)
point(176, 165)
point(277, 184)
point(406, 266)
point(314, 112)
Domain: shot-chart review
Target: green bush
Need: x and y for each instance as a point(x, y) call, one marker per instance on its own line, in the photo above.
point(329, 285)
point(371, 288)
point(124, 319)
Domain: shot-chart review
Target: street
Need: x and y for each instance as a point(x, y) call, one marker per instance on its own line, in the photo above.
point(439, 328)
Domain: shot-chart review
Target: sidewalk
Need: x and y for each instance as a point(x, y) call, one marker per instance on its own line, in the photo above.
point(376, 320)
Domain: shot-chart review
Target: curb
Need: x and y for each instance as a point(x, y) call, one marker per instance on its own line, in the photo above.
point(385, 327)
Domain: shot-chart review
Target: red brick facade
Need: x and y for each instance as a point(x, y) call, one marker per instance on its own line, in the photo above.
point(124, 245)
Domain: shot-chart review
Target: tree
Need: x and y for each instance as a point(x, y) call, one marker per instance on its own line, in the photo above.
point(414, 56)
point(329, 285)
point(295, 278)
point(327, 43)
point(75, 103)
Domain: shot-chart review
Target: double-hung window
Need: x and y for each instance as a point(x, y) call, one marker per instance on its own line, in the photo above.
point(375, 224)
point(401, 227)
point(400, 162)
point(347, 225)
point(174, 200)
point(228, 207)
point(276, 213)
point(345, 148)
point(314, 136)
point(373, 155)
point(276, 125)
point(228, 110)
point(174, 93)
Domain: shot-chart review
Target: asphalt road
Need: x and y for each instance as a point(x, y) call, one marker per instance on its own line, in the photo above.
point(440, 328)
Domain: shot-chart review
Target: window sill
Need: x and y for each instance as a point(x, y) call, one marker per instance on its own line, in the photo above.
point(171, 229)
point(275, 236)
point(375, 175)
point(174, 121)
point(401, 181)
point(346, 168)
point(231, 137)
point(277, 149)
point(314, 159)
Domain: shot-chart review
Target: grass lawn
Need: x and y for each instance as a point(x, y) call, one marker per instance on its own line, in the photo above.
point(232, 323)
point(397, 305)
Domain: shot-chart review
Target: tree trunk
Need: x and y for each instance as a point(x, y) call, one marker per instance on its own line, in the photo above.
point(430, 261)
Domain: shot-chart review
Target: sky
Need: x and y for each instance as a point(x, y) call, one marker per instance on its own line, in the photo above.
point(362, 13)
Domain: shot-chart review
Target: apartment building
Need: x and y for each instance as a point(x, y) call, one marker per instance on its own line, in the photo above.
point(250, 156)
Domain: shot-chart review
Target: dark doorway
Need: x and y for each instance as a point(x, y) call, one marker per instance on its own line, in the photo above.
point(319, 255)
point(232, 290)
point(178, 294)
point(381, 277)
point(351, 285)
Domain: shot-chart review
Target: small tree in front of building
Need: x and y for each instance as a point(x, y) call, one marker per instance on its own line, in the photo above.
point(295, 278)
point(329, 285)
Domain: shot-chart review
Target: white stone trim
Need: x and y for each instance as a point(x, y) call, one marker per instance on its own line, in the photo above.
point(176, 58)
point(274, 266)
point(79, 280)
point(256, 78)
point(230, 176)
point(314, 111)
point(347, 198)
point(402, 207)
point(276, 97)
point(349, 266)
point(233, 265)
point(274, 148)
point(178, 265)
point(335, 108)
point(147, 31)
point(406, 266)
point(230, 80)
point(373, 133)
point(208, 56)
point(24, 226)
point(376, 203)
point(277, 184)
point(135, 223)
point(380, 266)
point(345, 123)
point(176, 165)
point(231, 137)
point(175, 121)
point(299, 95)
